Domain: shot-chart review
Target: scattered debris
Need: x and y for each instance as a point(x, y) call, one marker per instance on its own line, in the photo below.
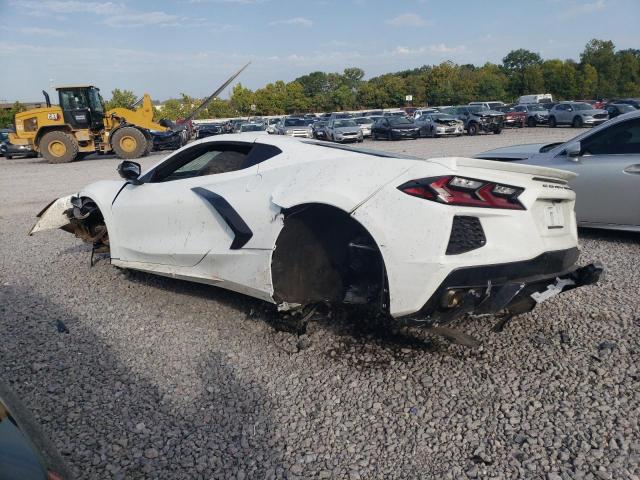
point(62, 328)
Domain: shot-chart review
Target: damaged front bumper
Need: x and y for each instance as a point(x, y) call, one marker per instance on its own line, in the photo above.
point(513, 288)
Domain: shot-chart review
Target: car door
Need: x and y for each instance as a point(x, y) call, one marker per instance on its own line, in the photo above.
point(191, 205)
point(608, 168)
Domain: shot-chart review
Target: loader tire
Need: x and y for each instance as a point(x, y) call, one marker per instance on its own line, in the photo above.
point(58, 147)
point(129, 143)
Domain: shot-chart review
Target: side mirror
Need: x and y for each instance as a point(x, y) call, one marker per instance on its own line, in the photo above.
point(130, 171)
point(573, 150)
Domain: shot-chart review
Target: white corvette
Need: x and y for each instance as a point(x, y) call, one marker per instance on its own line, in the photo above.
point(298, 222)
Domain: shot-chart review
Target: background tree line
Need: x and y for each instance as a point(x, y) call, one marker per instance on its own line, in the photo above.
point(602, 72)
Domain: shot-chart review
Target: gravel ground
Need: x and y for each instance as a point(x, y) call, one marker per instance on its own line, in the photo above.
point(159, 378)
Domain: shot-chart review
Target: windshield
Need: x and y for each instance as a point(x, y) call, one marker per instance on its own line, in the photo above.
point(442, 116)
point(251, 128)
point(400, 121)
point(363, 121)
point(582, 106)
point(95, 100)
point(477, 108)
point(295, 122)
point(3, 136)
point(626, 108)
point(344, 123)
point(537, 108)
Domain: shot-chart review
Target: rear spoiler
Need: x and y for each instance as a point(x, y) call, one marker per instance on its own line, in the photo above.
point(454, 162)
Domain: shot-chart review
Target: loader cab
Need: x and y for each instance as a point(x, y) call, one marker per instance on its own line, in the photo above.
point(82, 107)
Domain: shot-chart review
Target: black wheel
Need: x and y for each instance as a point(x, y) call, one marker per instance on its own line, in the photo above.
point(531, 122)
point(8, 157)
point(360, 140)
point(374, 136)
point(58, 147)
point(498, 131)
point(389, 136)
point(129, 143)
point(577, 122)
point(472, 129)
point(552, 122)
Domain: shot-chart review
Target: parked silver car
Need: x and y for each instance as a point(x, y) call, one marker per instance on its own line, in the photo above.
point(607, 161)
point(439, 125)
point(576, 114)
point(365, 125)
point(343, 130)
point(294, 127)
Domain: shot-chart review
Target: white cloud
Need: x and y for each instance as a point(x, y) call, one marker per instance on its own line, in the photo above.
point(439, 48)
point(160, 19)
point(298, 21)
point(69, 6)
point(45, 32)
point(582, 8)
point(407, 20)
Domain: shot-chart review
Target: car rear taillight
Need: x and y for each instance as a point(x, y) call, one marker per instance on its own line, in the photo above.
point(469, 192)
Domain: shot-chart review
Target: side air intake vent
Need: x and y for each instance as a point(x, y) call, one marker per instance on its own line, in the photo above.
point(466, 235)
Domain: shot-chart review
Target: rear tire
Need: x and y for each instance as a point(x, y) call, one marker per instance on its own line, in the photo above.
point(472, 129)
point(389, 136)
point(129, 143)
point(8, 157)
point(531, 122)
point(498, 131)
point(58, 147)
point(552, 122)
point(577, 122)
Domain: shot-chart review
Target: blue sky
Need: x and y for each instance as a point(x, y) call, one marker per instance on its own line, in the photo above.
point(172, 46)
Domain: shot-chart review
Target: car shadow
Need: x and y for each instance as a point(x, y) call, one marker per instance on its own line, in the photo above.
point(110, 420)
point(622, 236)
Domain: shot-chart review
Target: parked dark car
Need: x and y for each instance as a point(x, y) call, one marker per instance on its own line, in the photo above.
point(9, 150)
point(394, 128)
point(169, 140)
point(477, 118)
point(536, 113)
point(209, 129)
point(615, 109)
point(25, 453)
point(635, 102)
point(318, 129)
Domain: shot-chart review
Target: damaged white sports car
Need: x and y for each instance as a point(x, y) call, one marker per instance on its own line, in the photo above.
point(299, 222)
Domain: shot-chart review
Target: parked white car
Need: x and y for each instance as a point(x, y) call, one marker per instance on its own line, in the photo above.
point(537, 98)
point(300, 222)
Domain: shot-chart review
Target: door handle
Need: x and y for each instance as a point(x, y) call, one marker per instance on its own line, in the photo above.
point(633, 169)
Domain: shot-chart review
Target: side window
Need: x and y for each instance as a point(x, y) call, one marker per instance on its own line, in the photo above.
point(521, 109)
point(621, 138)
point(203, 159)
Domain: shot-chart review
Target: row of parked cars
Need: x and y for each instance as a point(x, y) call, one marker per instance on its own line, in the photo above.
point(413, 123)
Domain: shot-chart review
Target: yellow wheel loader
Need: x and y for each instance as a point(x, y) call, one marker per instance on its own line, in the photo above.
point(80, 126)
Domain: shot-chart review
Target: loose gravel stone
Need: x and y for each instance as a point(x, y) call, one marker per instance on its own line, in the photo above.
point(160, 378)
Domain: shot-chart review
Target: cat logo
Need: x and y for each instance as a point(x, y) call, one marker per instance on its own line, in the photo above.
point(52, 116)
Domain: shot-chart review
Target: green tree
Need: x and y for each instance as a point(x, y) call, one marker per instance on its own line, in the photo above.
point(588, 81)
point(629, 78)
point(491, 82)
point(121, 99)
point(7, 117)
point(600, 54)
point(241, 99)
point(516, 64)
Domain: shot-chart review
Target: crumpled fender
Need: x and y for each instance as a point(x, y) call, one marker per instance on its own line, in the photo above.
point(53, 215)
point(102, 193)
